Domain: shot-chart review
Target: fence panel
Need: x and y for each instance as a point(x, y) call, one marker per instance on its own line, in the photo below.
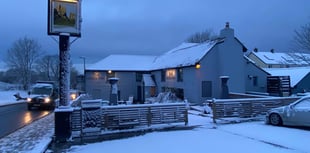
point(245, 108)
point(126, 116)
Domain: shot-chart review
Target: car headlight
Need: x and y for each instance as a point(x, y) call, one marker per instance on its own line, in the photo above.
point(47, 100)
point(73, 96)
point(28, 99)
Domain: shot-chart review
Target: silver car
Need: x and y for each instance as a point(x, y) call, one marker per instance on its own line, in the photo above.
point(295, 114)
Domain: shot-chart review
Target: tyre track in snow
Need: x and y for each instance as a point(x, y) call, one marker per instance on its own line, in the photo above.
point(197, 113)
point(262, 141)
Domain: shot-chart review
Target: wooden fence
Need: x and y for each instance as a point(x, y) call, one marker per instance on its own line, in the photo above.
point(245, 108)
point(97, 120)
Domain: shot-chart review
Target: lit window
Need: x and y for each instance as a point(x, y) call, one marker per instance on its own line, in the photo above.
point(170, 74)
point(96, 75)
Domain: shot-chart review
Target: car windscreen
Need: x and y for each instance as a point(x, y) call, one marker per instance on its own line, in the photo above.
point(41, 90)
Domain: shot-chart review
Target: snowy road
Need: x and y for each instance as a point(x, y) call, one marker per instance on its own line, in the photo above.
point(16, 116)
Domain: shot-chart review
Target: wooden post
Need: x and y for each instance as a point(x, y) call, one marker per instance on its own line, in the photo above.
point(214, 110)
point(149, 117)
point(186, 117)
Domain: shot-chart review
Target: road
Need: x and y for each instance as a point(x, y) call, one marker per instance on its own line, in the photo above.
point(15, 116)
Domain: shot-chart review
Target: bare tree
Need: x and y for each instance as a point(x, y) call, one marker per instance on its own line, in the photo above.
point(48, 65)
point(299, 59)
point(302, 38)
point(200, 37)
point(22, 57)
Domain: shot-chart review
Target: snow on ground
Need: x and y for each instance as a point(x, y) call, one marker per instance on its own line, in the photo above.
point(7, 96)
point(254, 137)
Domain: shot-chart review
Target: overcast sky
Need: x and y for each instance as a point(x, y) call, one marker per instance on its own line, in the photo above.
point(152, 27)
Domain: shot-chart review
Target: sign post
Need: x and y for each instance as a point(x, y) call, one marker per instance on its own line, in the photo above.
point(64, 68)
point(64, 20)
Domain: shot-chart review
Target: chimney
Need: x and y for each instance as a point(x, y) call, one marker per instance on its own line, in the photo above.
point(255, 50)
point(227, 32)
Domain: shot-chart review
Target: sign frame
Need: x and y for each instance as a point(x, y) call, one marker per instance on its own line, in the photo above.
point(64, 16)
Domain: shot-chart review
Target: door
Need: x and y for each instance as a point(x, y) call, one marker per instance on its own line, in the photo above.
point(139, 92)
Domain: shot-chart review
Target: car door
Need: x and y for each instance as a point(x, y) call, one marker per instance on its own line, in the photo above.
point(301, 113)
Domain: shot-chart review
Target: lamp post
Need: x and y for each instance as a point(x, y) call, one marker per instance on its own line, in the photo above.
point(84, 77)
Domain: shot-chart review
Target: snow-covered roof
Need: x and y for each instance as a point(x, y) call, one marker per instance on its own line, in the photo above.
point(186, 54)
point(296, 74)
point(124, 63)
point(282, 58)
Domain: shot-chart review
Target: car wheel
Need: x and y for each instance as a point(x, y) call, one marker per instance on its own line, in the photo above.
point(275, 119)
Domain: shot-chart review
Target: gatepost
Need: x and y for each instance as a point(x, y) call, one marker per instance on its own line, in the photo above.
point(114, 90)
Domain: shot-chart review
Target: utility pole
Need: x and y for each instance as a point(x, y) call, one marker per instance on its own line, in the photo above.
point(84, 74)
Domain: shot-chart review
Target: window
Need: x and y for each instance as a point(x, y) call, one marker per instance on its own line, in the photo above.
point(163, 75)
point(303, 104)
point(96, 75)
point(180, 75)
point(206, 89)
point(171, 73)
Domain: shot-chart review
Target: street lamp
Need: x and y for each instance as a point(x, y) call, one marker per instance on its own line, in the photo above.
point(84, 59)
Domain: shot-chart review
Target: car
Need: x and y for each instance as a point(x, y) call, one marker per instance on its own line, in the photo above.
point(42, 95)
point(294, 114)
point(74, 94)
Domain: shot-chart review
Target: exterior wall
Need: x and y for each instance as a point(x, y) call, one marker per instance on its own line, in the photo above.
point(127, 85)
point(99, 87)
point(303, 85)
point(96, 84)
point(213, 65)
point(231, 63)
point(209, 72)
point(254, 72)
point(191, 83)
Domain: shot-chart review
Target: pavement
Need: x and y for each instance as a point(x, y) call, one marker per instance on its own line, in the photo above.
point(32, 138)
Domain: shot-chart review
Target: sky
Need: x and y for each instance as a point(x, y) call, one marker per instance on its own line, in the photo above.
point(153, 27)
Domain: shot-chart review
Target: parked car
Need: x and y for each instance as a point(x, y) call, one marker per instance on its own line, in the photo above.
point(294, 114)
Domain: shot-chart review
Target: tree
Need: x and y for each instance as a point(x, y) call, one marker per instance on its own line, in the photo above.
point(302, 38)
point(48, 66)
point(73, 77)
point(200, 37)
point(21, 57)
